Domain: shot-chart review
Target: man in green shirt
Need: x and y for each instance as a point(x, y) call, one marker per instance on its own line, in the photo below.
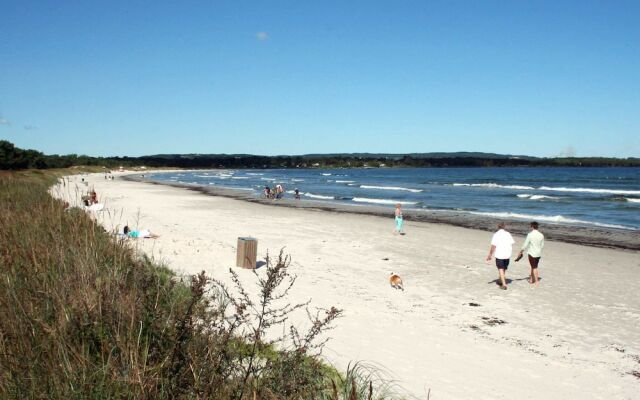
point(533, 245)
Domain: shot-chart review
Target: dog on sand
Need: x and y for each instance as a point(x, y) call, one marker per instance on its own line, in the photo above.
point(396, 281)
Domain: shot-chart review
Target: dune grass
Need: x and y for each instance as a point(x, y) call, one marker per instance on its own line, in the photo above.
point(83, 316)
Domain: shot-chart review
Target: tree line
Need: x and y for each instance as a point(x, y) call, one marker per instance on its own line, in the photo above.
point(13, 158)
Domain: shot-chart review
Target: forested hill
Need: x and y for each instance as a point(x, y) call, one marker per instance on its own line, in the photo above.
point(12, 157)
point(434, 155)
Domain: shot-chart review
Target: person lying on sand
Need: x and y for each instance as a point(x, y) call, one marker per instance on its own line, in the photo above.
point(143, 233)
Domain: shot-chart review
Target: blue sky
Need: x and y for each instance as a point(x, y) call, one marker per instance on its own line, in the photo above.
point(294, 77)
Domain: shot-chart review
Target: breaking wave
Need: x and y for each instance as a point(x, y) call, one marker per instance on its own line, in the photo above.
point(382, 201)
point(318, 196)
point(495, 185)
point(555, 218)
point(589, 190)
point(537, 197)
point(391, 188)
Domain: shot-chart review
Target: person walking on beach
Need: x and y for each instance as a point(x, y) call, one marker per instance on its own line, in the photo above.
point(533, 245)
point(399, 220)
point(501, 246)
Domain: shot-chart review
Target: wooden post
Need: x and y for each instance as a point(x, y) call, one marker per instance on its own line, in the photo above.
point(247, 252)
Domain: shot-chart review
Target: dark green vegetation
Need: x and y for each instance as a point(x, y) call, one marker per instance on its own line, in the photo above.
point(12, 157)
point(82, 316)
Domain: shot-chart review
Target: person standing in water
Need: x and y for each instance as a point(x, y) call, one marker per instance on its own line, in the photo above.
point(502, 246)
point(399, 220)
point(533, 245)
point(279, 191)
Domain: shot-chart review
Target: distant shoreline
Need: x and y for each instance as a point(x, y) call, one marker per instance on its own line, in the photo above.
point(590, 236)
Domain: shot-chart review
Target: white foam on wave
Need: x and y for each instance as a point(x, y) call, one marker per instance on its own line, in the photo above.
point(634, 200)
point(317, 196)
point(338, 181)
point(589, 190)
point(548, 218)
point(268, 179)
point(326, 174)
point(550, 188)
point(542, 197)
point(221, 176)
point(382, 201)
point(254, 173)
point(239, 177)
point(391, 188)
point(495, 185)
point(537, 197)
point(297, 180)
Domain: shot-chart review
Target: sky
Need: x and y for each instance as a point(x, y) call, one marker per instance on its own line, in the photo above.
point(111, 78)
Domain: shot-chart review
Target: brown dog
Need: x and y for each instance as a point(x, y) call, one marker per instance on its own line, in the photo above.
point(396, 281)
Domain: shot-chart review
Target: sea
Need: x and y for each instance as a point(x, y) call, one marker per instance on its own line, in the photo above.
point(602, 197)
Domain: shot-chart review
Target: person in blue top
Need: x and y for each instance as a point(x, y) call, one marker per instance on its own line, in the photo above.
point(399, 219)
point(143, 233)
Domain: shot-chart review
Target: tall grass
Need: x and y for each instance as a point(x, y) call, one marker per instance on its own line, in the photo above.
point(83, 316)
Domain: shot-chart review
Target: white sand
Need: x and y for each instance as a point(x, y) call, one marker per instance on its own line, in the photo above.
point(575, 336)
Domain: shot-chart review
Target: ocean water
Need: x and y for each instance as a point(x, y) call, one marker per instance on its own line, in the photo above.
point(606, 197)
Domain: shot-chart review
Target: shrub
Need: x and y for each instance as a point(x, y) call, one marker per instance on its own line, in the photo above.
point(83, 316)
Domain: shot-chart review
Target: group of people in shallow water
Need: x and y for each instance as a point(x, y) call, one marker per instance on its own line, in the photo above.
point(278, 192)
point(502, 248)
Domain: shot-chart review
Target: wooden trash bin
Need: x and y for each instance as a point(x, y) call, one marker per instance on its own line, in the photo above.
point(247, 252)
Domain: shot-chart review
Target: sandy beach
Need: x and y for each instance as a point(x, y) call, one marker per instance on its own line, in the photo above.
point(452, 330)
